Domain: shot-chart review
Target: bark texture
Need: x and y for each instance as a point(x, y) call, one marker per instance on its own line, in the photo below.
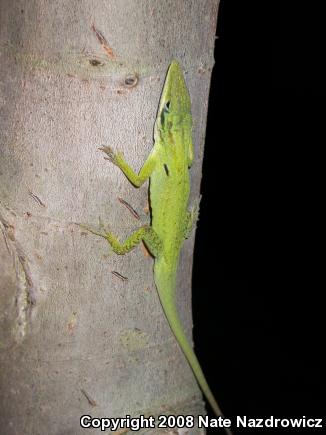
point(74, 338)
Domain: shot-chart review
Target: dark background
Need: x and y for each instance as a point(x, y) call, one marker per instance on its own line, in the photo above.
point(259, 258)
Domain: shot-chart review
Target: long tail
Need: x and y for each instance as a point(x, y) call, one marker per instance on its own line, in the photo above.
point(168, 303)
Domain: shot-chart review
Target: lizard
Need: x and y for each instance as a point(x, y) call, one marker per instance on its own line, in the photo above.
point(167, 168)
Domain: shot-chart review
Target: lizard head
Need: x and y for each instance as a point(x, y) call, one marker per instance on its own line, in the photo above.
point(174, 113)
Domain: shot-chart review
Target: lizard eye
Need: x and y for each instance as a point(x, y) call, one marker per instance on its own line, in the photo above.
point(165, 110)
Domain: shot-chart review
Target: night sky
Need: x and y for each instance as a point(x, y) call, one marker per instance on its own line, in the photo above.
point(258, 284)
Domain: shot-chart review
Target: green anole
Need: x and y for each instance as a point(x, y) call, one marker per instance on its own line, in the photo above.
point(167, 167)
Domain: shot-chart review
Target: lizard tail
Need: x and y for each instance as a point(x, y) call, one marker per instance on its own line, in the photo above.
point(168, 303)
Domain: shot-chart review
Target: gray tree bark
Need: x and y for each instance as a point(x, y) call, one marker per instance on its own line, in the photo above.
point(75, 338)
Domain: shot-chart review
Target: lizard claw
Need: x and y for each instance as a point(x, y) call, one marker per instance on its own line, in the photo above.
point(103, 228)
point(110, 153)
point(99, 230)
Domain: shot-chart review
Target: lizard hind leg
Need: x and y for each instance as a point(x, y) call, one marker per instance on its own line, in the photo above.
point(191, 218)
point(145, 233)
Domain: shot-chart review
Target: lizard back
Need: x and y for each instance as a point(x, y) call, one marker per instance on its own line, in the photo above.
point(169, 183)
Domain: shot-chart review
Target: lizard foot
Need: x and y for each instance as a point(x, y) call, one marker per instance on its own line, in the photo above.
point(111, 155)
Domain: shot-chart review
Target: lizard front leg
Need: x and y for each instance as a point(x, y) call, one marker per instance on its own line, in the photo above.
point(136, 179)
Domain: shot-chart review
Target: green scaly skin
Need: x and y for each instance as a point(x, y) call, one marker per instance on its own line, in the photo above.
point(167, 167)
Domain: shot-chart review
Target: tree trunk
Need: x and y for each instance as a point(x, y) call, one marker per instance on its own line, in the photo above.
point(76, 338)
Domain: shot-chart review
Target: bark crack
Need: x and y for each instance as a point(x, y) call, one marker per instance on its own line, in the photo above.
point(25, 292)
